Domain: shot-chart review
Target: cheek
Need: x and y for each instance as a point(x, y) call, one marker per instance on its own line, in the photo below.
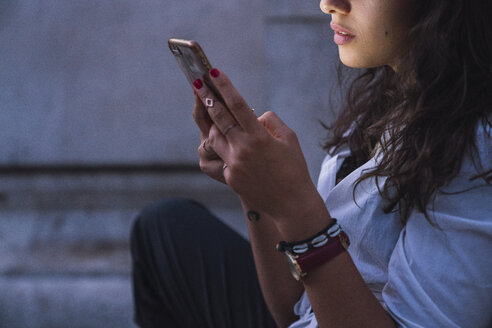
point(370, 50)
point(384, 44)
point(379, 39)
point(397, 23)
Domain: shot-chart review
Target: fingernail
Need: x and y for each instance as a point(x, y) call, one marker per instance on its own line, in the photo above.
point(198, 84)
point(214, 72)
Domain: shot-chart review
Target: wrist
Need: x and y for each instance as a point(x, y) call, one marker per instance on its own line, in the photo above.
point(296, 222)
point(305, 255)
point(304, 224)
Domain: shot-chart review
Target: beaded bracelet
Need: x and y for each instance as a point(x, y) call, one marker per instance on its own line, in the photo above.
point(318, 240)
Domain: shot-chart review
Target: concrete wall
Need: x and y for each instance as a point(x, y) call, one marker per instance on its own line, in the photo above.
point(96, 123)
point(93, 81)
point(301, 67)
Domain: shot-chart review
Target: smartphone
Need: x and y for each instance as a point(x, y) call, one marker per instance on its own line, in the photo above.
point(192, 61)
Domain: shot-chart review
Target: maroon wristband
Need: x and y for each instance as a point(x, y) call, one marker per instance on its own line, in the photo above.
point(318, 256)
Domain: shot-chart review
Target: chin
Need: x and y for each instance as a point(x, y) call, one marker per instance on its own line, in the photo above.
point(351, 63)
point(352, 60)
point(348, 59)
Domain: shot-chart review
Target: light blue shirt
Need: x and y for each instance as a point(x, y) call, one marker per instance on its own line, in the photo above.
point(422, 275)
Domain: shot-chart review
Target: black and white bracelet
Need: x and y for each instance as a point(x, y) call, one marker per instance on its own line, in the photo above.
point(318, 240)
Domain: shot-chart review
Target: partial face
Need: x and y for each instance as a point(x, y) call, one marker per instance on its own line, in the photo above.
point(369, 33)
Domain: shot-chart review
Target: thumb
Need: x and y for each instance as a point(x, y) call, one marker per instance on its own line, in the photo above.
point(274, 125)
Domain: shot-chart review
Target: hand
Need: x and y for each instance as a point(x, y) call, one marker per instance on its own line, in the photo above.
point(265, 164)
point(210, 163)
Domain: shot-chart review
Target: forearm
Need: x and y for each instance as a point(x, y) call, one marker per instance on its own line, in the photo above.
point(338, 294)
point(280, 291)
point(340, 297)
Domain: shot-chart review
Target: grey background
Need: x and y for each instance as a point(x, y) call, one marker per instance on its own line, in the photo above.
point(96, 123)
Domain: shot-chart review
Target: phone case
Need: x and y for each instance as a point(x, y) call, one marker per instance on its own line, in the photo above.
point(192, 60)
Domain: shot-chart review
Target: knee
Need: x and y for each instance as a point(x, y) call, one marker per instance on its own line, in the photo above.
point(167, 214)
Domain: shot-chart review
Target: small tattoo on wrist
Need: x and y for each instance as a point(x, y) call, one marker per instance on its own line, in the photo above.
point(253, 216)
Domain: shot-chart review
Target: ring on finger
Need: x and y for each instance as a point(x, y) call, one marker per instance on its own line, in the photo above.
point(209, 102)
point(224, 167)
point(229, 128)
point(204, 147)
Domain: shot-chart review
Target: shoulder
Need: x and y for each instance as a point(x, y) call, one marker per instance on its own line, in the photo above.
point(476, 162)
point(483, 140)
point(466, 199)
point(436, 267)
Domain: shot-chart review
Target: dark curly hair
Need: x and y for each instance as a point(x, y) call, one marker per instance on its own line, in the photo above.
point(426, 112)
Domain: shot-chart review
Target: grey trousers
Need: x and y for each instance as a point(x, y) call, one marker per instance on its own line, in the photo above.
point(191, 270)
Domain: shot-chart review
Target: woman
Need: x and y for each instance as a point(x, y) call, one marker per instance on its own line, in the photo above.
point(407, 177)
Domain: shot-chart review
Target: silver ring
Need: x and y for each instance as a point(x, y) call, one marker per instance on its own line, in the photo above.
point(226, 131)
point(209, 102)
point(224, 167)
point(203, 146)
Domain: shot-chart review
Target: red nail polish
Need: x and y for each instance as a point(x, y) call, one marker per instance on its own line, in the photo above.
point(198, 84)
point(214, 72)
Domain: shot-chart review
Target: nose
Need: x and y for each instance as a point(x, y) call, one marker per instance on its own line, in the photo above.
point(335, 6)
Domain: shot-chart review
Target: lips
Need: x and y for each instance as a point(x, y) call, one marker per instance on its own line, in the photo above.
point(342, 35)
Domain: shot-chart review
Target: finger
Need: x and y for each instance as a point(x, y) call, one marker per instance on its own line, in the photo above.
point(218, 113)
point(201, 117)
point(274, 125)
point(206, 151)
point(234, 101)
point(219, 143)
point(213, 169)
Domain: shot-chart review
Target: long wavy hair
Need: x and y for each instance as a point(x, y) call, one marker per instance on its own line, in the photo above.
point(424, 116)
